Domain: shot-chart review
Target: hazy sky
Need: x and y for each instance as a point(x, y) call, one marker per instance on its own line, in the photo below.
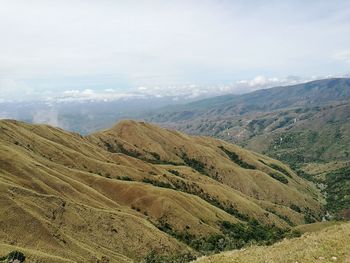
point(49, 48)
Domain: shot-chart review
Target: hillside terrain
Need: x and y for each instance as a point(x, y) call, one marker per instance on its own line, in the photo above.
point(328, 245)
point(137, 192)
point(305, 125)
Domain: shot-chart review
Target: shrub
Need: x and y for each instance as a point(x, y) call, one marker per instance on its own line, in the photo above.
point(157, 183)
point(12, 256)
point(154, 257)
point(195, 164)
point(124, 178)
point(280, 169)
point(295, 208)
point(174, 172)
point(279, 177)
point(236, 159)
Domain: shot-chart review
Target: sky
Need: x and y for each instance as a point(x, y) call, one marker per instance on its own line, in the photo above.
point(76, 49)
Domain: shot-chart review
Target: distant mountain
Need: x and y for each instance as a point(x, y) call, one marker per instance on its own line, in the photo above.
point(297, 124)
point(84, 116)
point(308, 94)
point(138, 192)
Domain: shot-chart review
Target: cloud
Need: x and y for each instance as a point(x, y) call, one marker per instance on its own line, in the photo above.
point(52, 47)
point(47, 116)
point(343, 56)
point(10, 88)
point(177, 92)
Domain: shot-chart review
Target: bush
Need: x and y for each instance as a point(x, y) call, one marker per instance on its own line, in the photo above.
point(279, 177)
point(280, 169)
point(124, 178)
point(236, 159)
point(154, 257)
point(12, 256)
point(174, 172)
point(195, 164)
point(157, 183)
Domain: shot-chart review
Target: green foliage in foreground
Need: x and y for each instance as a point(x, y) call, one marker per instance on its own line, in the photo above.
point(12, 256)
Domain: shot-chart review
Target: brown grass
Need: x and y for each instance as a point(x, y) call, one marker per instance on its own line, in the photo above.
point(62, 197)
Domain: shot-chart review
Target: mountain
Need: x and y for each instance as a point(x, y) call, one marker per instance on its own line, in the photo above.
point(332, 246)
point(304, 125)
point(308, 94)
point(137, 192)
point(296, 124)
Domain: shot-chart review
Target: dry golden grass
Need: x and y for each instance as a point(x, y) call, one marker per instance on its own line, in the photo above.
point(62, 198)
point(315, 227)
point(328, 245)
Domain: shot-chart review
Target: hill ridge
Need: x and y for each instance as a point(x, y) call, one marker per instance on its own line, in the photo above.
point(133, 179)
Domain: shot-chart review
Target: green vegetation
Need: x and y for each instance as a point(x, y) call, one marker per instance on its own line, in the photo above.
point(124, 178)
point(227, 208)
point(295, 208)
point(174, 172)
point(236, 159)
point(280, 169)
point(283, 217)
point(338, 190)
point(12, 256)
point(157, 183)
point(233, 236)
point(195, 164)
point(154, 257)
point(279, 177)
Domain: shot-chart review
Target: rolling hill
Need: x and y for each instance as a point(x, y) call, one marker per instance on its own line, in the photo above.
point(137, 192)
point(305, 125)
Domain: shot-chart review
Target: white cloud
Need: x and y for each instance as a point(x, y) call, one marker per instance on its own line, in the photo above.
point(178, 92)
point(343, 55)
point(49, 117)
point(10, 88)
point(169, 42)
point(166, 43)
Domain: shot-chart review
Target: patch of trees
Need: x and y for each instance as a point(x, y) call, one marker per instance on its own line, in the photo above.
point(236, 159)
point(154, 257)
point(232, 236)
point(279, 177)
point(195, 164)
point(157, 183)
point(338, 190)
point(279, 168)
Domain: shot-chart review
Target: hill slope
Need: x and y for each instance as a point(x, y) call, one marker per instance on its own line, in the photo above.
point(329, 245)
point(304, 125)
point(135, 191)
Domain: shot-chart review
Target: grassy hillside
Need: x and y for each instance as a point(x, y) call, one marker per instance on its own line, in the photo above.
point(137, 192)
point(328, 245)
point(302, 125)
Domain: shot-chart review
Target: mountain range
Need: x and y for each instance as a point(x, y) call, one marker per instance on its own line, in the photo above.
point(306, 126)
point(137, 192)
